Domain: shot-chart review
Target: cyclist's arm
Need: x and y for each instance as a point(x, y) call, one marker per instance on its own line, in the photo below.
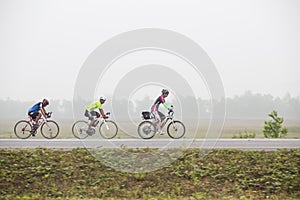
point(163, 101)
point(101, 112)
point(166, 105)
point(43, 111)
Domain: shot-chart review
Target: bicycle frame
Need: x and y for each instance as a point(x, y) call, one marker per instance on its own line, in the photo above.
point(101, 120)
point(168, 117)
point(41, 121)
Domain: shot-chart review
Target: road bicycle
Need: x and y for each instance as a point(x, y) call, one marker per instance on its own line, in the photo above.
point(49, 128)
point(107, 128)
point(147, 128)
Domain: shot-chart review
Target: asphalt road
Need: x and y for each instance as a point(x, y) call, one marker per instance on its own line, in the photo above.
point(245, 144)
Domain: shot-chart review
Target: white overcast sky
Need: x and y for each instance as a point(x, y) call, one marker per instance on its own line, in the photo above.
point(254, 44)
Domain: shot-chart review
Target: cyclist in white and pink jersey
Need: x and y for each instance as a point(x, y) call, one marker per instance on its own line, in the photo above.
point(157, 114)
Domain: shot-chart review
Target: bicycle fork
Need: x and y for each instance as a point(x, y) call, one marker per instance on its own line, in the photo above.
point(23, 129)
point(173, 125)
point(107, 127)
point(49, 128)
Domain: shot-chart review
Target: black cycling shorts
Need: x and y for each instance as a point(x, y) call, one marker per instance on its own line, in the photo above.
point(91, 115)
point(33, 115)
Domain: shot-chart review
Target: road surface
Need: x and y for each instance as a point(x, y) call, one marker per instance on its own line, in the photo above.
point(245, 144)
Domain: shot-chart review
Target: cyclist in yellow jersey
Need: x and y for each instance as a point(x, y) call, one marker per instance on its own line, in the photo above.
point(90, 110)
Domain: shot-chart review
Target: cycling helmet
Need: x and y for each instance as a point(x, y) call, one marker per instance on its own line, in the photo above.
point(102, 98)
point(45, 102)
point(165, 91)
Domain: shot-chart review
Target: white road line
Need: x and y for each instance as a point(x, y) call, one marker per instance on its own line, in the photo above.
point(249, 144)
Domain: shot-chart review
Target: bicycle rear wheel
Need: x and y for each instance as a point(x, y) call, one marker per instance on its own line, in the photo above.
point(108, 129)
point(50, 129)
point(80, 129)
point(22, 129)
point(146, 130)
point(176, 129)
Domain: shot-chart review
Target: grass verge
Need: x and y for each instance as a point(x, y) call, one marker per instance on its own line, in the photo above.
point(221, 174)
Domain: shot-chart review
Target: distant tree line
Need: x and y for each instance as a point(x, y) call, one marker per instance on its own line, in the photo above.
point(251, 105)
point(248, 105)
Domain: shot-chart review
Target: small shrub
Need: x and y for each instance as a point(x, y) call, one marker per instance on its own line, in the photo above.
point(246, 134)
point(273, 128)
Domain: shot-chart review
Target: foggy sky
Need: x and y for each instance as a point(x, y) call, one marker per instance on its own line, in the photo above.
point(254, 44)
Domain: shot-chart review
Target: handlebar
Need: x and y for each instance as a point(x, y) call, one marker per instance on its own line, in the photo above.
point(106, 114)
point(171, 111)
point(48, 115)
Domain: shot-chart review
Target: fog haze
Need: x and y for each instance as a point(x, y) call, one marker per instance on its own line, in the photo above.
point(254, 44)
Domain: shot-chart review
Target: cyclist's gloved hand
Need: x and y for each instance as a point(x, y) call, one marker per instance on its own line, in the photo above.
point(105, 117)
point(48, 115)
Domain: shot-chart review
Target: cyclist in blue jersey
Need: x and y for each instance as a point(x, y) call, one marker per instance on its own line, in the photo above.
point(36, 111)
point(157, 114)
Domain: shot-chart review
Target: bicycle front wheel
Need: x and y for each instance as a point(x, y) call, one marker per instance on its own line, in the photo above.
point(176, 129)
point(50, 129)
point(146, 130)
point(80, 129)
point(108, 129)
point(22, 129)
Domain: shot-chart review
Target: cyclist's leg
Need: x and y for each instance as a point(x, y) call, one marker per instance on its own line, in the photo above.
point(38, 117)
point(161, 115)
point(34, 116)
point(30, 114)
point(97, 114)
point(158, 120)
point(94, 114)
point(88, 114)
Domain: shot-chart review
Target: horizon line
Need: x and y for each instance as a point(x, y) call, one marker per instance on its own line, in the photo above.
point(226, 97)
